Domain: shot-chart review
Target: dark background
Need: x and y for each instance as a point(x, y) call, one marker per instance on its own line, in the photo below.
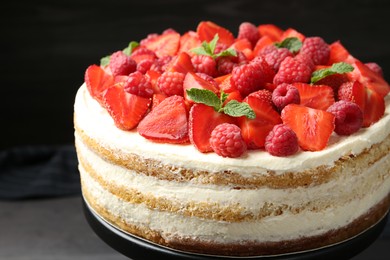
point(47, 45)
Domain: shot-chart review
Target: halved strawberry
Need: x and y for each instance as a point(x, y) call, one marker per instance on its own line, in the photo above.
point(153, 77)
point(315, 96)
point(245, 46)
point(374, 107)
point(290, 32)
point(192, 80)
point(225, 83)
point(207, 30)
point(261, 43)
point(181, 63)
point(166, 44)
point(313, 127)
point(353, 91)
point(125, 109)
point(97, 81)
point(157, 99)
point(338, 53)
point(270, 30)
point(369, 78)
point(234, 95)
point(167, 122)
point(142, 53)
point(254, 131)
point(189, 41)
point(202, 121)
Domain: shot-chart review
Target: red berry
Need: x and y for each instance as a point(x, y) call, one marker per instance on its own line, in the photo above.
point(285, 94)
point(144, 65)
point(274, 56)
point(375, 68)
point(315, 96)
point(248, 31)
point(226, 140)
point(121, 64)
point(141, 54)
point(317, 49)
point(207, 30)
point(281, 141)
point(138, 84)
point(353, 91)
point(204, 64)
point(225, 65)
point(348, 117)
point(171, 83)
point(292, 70)
point(208, 78)
point(97, 81)
point(161, 64)
point(264, 95)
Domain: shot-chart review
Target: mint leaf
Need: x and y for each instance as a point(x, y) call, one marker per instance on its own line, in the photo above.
point(226, 53)
point(293, 44)
point(205, 96)
point(129, 49)
point(336, 68)
point(237, 109)
point(105, 61)
point(200, 51)
point(208, 49)
point(213, 43)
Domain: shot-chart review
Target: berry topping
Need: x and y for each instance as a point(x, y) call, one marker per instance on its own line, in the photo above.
point(226, 140)
point(353, 91)
point(285, 94)
point(264, 95)
point(138, 84)
point(292, 70)
point(204, 64)
point(166, 44)
point(281, 141)
point(97, 81)
point(348, 117)
point(207, 30)
point(171, 83)
point(317, 49)
point(248, 31)
point(375, 68)
point(121, 64)
point(315, 96)
point(274, 56)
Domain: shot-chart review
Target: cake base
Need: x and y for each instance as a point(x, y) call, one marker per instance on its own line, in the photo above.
point(137, 248)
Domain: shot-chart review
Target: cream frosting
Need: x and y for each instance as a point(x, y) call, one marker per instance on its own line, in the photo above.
point(94, 120)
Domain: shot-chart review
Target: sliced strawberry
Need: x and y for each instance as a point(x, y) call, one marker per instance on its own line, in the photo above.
point(192, 80)
point(166, 44)
point(338, 53)
point(157, 99)
point(313, 127)
point(125, 109)
point(270, 30)
point(167, 122)
point(254, 131)
point(202, 121)
point(97, 81)
point(334, 81)
point(189, 41)
point(226, 84)
point(245, 46)
point(181, 63)
point(374, 108)
point(290, 32)
point(142, 53)
point(261, 43)
point(153, 77)
point(234, 95)
point(315, 96)
point(207, 30)
point(370, 79)
point(353, 91)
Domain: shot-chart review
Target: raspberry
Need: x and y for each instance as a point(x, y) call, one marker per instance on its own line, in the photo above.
point(249, 31)
point(248, 78)
point(306, 59)
point(266, 70)
point(292, 70)
point(171, 83)
point(375, 68)
point(225, 65)
point(285, 94)
point(160, 64)
point(274, 55)
point(264, 95)
point(121, 64)
point(226, 140)
point(144, 65)
point(204, 64)
point(317, 49)
point(281, 141)
point(348, 117)
point(138, 84)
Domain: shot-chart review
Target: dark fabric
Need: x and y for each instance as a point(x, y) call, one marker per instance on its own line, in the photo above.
point(38, 171)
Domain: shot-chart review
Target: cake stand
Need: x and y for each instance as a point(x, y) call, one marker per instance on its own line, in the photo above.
point(138, 249)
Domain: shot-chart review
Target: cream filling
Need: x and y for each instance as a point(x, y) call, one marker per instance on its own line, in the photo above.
point(273, 228)
point(337, 191)
point(97, 123)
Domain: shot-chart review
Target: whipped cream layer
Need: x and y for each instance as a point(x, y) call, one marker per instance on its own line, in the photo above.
point(97, 123)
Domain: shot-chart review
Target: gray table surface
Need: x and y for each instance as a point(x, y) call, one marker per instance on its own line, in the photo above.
point(55, 229)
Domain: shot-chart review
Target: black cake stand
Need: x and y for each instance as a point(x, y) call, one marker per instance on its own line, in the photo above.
point(139, 249)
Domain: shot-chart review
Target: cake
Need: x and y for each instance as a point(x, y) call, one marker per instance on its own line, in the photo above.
point(267, 143)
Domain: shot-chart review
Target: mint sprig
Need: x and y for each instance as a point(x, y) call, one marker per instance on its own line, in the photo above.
point(128, 51)
point(209, 98)
point(336, 68)
point(293, 44)
point(208, 49)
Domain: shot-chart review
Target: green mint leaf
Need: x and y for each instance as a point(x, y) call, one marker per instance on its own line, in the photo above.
point(226, 53)
point(213, 44)
point(129, 49)
point(224, 96)
point(105, 61)
point(336, 68)
point(293, 44)
point(237, 109)
point(200, 51)
point(204, 96)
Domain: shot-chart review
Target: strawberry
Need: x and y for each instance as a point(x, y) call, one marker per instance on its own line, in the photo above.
point(374, 107)
point(167, 122)
point(315, 96)
point(234, 95)
point(338, 53)
point(192, 80)
point(142, 53)
point(157, 99)
point(262, 43)
point(225, 83)
point(254, 131)
point(270, 30)
point(125, 109)
point(97, 81)
point(153, 77)
point(189, 41)
point(166, 44)
point(207, 30)
point(353, 91)
point(313, 127)
point(245, 46)
point(181, 63)
point(369, 78)
point(290, 32)
point(202, 121)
